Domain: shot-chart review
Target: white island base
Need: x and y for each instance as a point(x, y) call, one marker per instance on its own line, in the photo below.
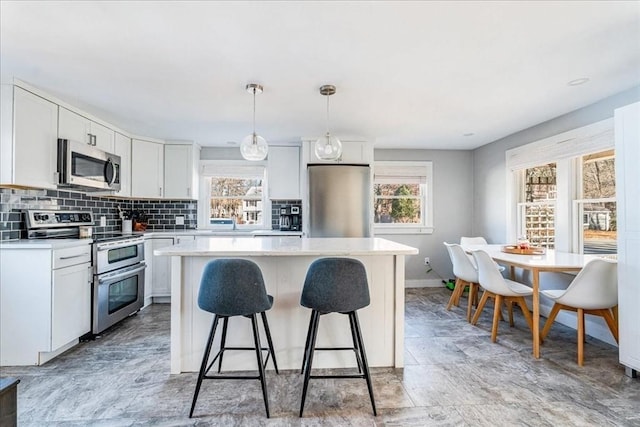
point(284, 263)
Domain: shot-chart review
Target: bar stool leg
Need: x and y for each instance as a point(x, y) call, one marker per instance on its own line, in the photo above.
point(315, 317)
point(367, 376)
point(203, 366)
point(308, 340)
point(223, 341)
point(263, 382)
point(356, 346)
point(265, 323)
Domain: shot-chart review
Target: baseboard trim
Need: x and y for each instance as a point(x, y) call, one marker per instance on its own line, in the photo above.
point(424, 283)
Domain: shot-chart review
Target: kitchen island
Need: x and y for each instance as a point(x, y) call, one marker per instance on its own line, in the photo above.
point(284, 262)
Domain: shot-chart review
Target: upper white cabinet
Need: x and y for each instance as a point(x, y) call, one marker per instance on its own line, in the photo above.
point(29, 139)
point(75, 127)
point(122, 148)
point(353, 152)
point(147, 169)
point(627, 134)
point(181, 171)
point(283, 172)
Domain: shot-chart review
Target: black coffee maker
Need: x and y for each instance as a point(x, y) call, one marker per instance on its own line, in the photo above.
point(291, 218)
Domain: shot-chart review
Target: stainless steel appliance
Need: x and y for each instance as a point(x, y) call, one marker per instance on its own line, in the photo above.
point(291, 218)
point(118, 281)
point(117, 262)
point(339, 200)
point(85, 167)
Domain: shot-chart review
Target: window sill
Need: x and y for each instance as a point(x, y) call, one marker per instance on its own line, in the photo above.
point(402, 230)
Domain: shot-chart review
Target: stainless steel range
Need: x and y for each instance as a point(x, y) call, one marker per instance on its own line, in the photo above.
point(118, 263)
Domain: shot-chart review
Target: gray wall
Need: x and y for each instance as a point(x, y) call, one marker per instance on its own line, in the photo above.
point(489, 168)
point(452, 209)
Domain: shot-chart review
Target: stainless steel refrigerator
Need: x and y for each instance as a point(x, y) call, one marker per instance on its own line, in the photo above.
point(339, 201)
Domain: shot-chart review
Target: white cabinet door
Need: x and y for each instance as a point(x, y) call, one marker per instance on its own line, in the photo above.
point(627, 134)
point(184, 239)
point(178, 172)
point(161, 269)
point(147, 164)
point(70, 304)
point(29, 152)
point(122, 148)
point(104, 138)
point(78, 128)
point(353, 152)
point(284, 172)
point(148, 274)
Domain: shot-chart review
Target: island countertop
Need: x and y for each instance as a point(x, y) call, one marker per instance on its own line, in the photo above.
point(286, 246)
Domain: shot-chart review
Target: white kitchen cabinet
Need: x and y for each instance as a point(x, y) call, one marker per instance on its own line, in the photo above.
point(78, 128)
point(147, 169)
point(159, 270)
point(627, 135)
point(353, 152)
point(45, 308)
point(122, 148)
point(181, 171)
point(28, 139)
point(283, 172)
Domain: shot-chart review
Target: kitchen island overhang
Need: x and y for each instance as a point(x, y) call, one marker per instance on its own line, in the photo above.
point(284, 262)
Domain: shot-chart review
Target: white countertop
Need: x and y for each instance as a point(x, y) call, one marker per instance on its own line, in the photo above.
point(229, 233)
point(44, 243)
point(287, 246)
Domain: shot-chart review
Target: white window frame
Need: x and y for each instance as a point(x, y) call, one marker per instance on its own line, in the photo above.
point(565, 150)
point(426, 227)
point(210, 168)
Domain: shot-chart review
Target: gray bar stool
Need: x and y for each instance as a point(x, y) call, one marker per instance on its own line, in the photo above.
point(335, 285)
point(234, 287)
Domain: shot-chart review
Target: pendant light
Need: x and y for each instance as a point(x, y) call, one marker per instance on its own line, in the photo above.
point(254, 147)
point(328, 147)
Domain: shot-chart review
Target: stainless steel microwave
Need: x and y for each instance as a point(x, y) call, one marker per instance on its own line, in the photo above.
point(85, 167)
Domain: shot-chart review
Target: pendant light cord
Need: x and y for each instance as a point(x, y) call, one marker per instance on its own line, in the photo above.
point(254, 115)
point(327, 114)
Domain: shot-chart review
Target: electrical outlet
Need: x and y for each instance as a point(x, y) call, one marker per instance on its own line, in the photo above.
point(179, 220)
point(103, 221)
point(426, 260)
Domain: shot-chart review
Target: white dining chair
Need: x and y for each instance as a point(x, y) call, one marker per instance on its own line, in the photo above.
point(466, 275)
point(593, 291)
point(501, 290)
point(464, 241)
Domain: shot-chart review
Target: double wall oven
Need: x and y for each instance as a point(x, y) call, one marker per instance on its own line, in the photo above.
point(118, 264)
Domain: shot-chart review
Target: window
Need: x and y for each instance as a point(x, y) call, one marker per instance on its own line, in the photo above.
point(596, 209)
point(401, 197)
point(234, 192)
point(536, 216)
point(562, 191)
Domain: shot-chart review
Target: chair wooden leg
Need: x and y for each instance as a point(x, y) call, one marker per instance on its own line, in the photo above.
point(457, 292)
point(580, 336)
point(473, 290)
point(483, 301)
point(496, 317)
point(552, 316)
point(509, 304)
point(525, 312)
point(611, 323)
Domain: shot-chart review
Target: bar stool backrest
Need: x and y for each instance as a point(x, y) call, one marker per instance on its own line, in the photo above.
point(335, 285)
point(233, 287)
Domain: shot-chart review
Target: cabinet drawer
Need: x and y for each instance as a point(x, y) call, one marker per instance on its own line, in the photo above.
point(71, 256)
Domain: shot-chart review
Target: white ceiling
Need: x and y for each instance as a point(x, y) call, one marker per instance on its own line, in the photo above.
point(408, 74)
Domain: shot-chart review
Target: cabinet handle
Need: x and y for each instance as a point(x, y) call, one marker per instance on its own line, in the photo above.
point(90, 139)
point(160, 192)
point(188, 191)
point(73, 256)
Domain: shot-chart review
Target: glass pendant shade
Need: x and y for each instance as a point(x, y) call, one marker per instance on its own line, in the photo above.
point(254, 147)
point(328, 147)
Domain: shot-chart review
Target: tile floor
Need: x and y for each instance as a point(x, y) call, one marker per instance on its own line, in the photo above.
point(454, 376)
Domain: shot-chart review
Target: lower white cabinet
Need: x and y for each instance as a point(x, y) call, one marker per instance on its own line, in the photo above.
point(45, 303)
point(158, 275)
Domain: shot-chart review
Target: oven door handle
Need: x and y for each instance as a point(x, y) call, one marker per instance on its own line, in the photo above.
point(119, 244)
point(115, 277)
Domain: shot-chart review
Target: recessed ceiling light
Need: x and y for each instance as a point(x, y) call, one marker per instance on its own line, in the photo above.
point(468, 134)
point(578, 82)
